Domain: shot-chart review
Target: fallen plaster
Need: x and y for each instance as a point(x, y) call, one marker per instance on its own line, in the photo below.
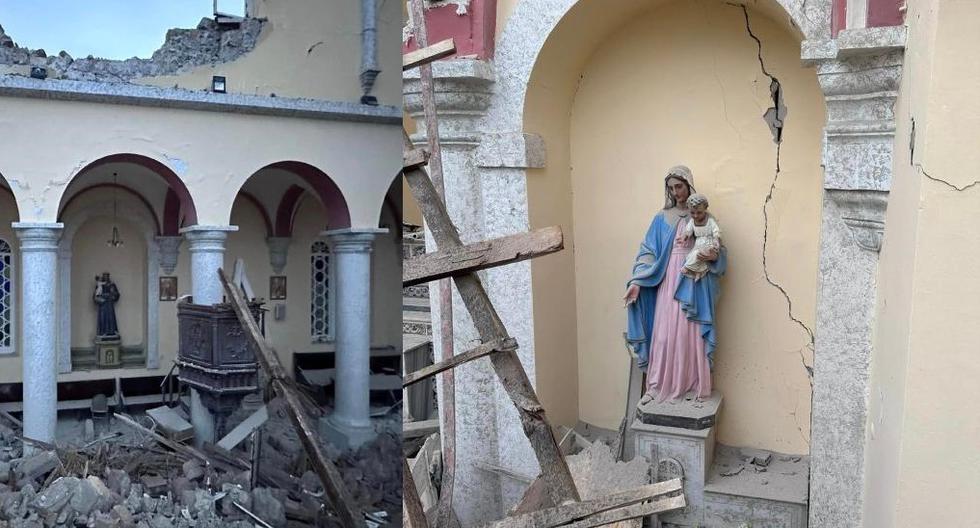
point(775, 117)
point(208, 43)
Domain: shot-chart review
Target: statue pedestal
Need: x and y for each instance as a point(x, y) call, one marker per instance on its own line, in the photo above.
point(108, 351)
point(678, 439)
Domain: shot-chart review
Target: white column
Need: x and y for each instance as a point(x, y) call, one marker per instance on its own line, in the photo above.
point(39, 274)
point(350, 424)
point(207, 249)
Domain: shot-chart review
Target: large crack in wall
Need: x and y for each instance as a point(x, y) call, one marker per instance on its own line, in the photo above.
point(208, 43)
point(775, 117)
point(922, 170)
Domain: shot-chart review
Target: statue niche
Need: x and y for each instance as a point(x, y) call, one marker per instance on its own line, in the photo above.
point(107, 340)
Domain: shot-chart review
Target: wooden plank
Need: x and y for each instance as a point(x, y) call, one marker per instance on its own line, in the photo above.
point(419, 429)
point(635, 511)
point(574, 511)
point(333, 483)
point(510, 372)
point(634, 391)
point(445, 516)
point(414, 158)
point(500, 345)
point(535, 498)
point(482, 255)
point(242, 430)
point(415, 515)
point(173, 425)
point(428, 54)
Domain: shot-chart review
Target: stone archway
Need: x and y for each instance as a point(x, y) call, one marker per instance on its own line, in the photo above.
point(488, 150)
point(145, 222)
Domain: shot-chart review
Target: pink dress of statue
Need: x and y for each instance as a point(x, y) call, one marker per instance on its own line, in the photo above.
point(678, 362)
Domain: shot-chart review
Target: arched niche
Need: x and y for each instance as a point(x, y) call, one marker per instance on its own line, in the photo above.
point(143, 222)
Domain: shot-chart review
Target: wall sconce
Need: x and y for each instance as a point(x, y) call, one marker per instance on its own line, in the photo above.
point(218, 84)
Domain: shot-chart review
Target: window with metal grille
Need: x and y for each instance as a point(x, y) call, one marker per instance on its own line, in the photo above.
point(6, 298)
point(321, 329)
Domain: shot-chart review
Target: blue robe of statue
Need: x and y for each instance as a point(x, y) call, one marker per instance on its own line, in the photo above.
point(697, 298)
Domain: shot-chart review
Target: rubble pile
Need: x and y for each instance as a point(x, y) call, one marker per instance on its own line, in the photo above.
point(372, 473)
point(126, 479)
point(208, 43)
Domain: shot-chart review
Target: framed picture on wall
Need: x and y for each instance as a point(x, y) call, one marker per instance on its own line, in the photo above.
point(277, 288)
point(168, 288)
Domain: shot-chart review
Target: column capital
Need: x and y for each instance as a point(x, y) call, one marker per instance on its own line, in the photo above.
point(278, 252)
point(204, 238)
point(38, 236)
point(353, 240)
point(169, 252)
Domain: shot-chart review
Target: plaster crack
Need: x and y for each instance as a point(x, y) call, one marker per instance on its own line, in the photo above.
point(775, 116)
point(313, 47)
point(974, 183)
point(922, 169)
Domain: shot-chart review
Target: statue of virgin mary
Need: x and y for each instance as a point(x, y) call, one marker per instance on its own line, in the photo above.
point(670, 317)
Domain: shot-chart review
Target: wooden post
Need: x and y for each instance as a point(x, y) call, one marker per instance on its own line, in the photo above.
point(508, 367)
point(447, 407)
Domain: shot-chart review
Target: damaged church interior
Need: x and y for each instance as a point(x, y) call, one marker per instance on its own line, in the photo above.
point(830, 143)
point(199, 266)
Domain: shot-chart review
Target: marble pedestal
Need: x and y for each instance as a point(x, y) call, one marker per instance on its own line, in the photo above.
point(679, 452)
point(108, 351)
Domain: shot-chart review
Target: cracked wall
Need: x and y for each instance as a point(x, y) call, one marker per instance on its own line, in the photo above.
point(683, 83)
point(292, 48)
point(923, 420)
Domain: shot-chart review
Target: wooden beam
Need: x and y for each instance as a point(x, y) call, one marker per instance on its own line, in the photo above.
point(507, 366)
point(482, 255)
point(501, 345)
point(607, 518)
point(414, 158)
point(333, 483)
point(575, 511)
point(535, 498)
point(415, 515)
point(419, 429)
point(428, 54)
point(447, 407)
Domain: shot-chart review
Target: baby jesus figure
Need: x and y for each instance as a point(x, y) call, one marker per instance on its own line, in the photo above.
point(706, 233)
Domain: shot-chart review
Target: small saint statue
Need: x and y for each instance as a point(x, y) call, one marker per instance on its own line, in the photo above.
point(105, 297)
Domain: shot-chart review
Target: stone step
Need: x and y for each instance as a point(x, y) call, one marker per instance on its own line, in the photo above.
point(760, 488)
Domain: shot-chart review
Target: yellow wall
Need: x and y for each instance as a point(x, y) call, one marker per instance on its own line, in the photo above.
point(127, 268)
point(213, 153)
point(283, 64)
point(292, 334)
point(922, 449)
point(680, 84)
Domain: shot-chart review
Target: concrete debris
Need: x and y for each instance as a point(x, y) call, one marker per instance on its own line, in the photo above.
point(183, 49)
point(597, 473)
point(130, 480)
point(733, 472)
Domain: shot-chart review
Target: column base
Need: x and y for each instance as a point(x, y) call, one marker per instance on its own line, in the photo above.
point(202, 419)
point(346, 436)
